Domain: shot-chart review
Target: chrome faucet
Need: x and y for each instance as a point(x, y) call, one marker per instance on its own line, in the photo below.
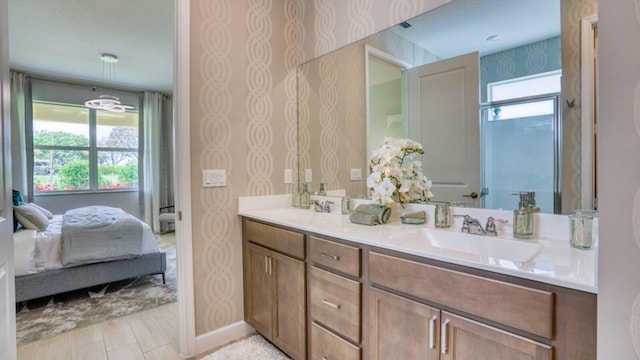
point(320, 206)
point(490, 228)
point(471, 225)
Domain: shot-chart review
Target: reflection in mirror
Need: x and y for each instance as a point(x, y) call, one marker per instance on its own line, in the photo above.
point(334, 135)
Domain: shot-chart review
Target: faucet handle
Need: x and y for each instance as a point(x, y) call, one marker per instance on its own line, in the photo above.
point(490, 228)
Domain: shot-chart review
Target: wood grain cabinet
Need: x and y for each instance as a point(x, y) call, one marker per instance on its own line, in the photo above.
point(404, 329)
point(335, 300)
point(364, 302)
point(274, 285)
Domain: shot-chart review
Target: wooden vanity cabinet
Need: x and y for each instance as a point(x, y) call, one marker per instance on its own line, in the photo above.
point(405, 329)
point(274, 286)
point(352, 301)
point(335, 300)
point(471, 316)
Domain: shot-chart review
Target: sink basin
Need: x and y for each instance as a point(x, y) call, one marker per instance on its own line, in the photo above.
point(480, 245)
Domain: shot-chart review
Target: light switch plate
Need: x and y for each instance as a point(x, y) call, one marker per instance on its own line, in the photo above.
point(308, 175)
point(356, 174)
point(214, 178)
point(287, 176)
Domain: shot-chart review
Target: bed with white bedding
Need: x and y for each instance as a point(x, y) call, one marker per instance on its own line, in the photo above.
point(42, 269)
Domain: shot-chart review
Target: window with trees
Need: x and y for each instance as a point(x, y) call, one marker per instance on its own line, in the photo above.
point(81, 149)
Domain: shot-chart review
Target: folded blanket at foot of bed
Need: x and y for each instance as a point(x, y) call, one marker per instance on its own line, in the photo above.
point(99, 233)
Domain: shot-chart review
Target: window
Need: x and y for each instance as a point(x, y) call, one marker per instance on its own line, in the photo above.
point(81, 149)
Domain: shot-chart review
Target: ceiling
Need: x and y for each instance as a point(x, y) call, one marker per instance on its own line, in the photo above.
point(63, 39)
point(463, 26)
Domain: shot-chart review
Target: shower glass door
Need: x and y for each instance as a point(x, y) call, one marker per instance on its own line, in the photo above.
point(521, 152)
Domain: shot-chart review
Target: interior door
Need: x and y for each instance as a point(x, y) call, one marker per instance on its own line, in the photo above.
point(444, 115)
point(7, 288)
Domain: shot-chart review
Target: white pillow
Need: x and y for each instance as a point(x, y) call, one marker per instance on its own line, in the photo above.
point(24, 242)
point(44, 211)
point(30, 217)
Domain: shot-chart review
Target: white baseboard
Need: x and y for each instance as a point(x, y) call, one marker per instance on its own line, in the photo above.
point(213, 339)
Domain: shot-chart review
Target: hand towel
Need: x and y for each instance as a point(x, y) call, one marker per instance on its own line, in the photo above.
point(382, 212)
point(357, 217)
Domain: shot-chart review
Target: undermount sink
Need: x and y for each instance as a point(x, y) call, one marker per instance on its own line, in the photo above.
point(480, 245)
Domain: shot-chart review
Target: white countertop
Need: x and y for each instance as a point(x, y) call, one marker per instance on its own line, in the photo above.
point(555, 261)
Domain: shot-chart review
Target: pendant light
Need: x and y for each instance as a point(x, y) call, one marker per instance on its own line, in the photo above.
point(108, 102)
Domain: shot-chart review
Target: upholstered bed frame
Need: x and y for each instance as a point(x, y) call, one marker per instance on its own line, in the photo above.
point(73, 278)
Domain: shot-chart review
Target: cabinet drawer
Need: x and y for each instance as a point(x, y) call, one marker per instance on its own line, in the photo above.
point(523, 308)
point(327, 345)
point(285, 241)
point(335, 303)
point(340, 257)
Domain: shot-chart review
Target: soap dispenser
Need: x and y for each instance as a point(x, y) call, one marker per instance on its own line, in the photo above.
point(523, 218)
point(531, 202)
point(305, 198)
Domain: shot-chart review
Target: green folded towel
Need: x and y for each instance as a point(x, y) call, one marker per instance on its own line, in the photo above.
point(357, 217)
point(382, 212)
point(416, 218)
point(415, 215)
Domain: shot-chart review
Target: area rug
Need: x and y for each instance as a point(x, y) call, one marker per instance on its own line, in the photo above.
point(253, 348)
point(46, 317)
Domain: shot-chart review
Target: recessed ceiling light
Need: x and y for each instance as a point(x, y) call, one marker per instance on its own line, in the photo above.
point(493, 38)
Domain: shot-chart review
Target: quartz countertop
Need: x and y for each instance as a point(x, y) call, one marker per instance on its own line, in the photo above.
point(553, 261)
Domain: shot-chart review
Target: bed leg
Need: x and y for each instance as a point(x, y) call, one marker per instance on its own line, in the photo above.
point(163, 280)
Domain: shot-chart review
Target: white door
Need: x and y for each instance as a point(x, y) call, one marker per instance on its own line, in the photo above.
point(7, 290)
point(444, 115)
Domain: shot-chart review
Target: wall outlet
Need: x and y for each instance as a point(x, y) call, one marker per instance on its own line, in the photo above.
point(214, 178)
point(308, 176)
point(287, 176)
point(356, 174)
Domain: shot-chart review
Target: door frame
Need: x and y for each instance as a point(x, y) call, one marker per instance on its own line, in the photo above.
point(403, 65)
point(182, 180)
point(588, 96)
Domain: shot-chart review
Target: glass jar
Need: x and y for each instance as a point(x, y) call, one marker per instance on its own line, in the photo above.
point(443, 215)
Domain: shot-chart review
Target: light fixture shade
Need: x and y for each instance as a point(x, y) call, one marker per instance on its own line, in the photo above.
point(108, 102)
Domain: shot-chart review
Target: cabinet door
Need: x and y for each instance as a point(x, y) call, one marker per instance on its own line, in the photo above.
point(401, 329)
point(290, 324)
point(259, 289)
point(464, 339)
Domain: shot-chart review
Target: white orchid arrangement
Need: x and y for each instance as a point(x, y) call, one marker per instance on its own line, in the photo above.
point(395, 174)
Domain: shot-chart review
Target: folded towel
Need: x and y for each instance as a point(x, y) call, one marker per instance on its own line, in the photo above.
point(382, 212)
point(414, 215)
point(416, 218)
point(357, 217)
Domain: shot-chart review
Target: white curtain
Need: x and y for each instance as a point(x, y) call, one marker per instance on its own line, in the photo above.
point(20, 90)
point(152, 122)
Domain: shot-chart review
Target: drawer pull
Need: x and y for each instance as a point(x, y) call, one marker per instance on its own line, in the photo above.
point(444, 335)
point(266, 265)
point(325, 358)
point(329, 303)
point(432, 332)
point(330, 256)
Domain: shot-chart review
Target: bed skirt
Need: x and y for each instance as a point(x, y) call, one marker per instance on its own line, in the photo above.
point(73, 278)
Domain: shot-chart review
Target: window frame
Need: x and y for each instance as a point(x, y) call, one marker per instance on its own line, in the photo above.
point(93, 151)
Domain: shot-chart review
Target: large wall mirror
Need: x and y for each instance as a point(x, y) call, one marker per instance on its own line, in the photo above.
point(504, 136)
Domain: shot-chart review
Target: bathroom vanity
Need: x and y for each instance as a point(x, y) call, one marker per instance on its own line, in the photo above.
point(320, 287)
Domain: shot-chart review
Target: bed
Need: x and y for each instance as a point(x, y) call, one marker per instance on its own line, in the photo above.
point(56, 258)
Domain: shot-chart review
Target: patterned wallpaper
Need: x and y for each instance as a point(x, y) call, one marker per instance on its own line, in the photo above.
point(619, 183)
point(572, 11)
point(243, 119)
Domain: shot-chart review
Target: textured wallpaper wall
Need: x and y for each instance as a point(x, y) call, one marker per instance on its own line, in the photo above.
point(619, 181)
point(243, 119)
point(243, 59)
